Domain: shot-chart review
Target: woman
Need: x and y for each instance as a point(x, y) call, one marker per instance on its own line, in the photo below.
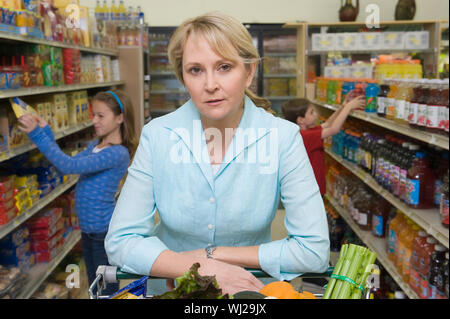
point(215, 170)
point(102, 166)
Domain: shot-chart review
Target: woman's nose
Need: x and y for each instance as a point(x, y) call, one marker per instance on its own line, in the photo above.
point(211, 83)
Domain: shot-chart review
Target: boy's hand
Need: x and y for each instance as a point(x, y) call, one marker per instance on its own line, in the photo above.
point(41, 121)
point(358, 102)
point(28, 123)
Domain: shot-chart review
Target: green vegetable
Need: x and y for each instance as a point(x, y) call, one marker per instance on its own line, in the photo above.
point(350, 273)
point(194, 286)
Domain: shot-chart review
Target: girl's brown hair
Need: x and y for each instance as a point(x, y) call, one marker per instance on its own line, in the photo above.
point(220, 31)
point(128, 132)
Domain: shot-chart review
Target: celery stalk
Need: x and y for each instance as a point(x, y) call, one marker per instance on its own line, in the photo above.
point(355, 264)
point(369, 261)
point(345, 268)
point(332, 282)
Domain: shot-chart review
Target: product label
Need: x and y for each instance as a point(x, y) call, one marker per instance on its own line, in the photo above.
point(371, 104)
point(403, 183)
point(424, 288)
point(442, 117)
point(446, 118)
point(433, 116)
point(400, 109)
point(381, 105)
point(377, 225)
point(437, 191)
point(414, 278)
point(362, 219)
point(413, 191)
point(396, 182)
point(390, 107)
point(392, 241)
point(368, 160)
point(422, 115)
point(413, 113)
point(407, 108)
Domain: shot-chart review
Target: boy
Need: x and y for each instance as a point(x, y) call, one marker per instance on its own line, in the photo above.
point(303, 113)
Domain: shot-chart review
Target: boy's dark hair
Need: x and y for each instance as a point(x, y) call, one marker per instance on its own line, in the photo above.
point(295, 108)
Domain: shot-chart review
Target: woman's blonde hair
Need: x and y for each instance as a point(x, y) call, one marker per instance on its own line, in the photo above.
point(220, 30)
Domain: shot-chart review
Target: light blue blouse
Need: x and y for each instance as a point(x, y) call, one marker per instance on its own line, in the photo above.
point(171, 173)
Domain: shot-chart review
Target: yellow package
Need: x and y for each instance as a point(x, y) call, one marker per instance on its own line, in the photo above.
point(21, 108)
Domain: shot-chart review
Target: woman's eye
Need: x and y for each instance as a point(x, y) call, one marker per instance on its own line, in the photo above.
point(194, 70)
point(225, 67)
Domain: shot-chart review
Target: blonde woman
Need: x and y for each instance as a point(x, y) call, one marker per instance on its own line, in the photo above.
point(215, 170)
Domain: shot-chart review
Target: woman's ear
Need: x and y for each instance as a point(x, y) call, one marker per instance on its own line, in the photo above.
point(251, 73)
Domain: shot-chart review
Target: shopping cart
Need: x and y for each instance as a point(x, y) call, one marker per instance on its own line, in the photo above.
point(112, 274)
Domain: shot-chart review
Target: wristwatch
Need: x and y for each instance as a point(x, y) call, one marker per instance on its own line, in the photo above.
point(209, 250)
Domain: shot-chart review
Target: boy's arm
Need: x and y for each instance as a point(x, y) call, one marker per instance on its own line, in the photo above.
point(339, 120)
point(333, 116)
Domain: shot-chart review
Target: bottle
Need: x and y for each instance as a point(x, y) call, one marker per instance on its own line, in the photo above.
point(98, 11)
point(409, 95)
point(105, 11)
point(380, 215)
point(444, 116)
point(424, 266)
point(442, 279)
point(445, 269)
point(347, 87)
point(121, 11)
point(401, 249)
point(400, 101)
point(140, 16)
point(437, 258)
point(390, 101)
point(408, 240)
point(419, 243)
point(129, 15)
point(403, 170)
point(440, 173)
point(422, 111)
point(372, 91)
point(382, 96)
point(434, 104)
point(331, 92)
point(112, 11)
point(380, 161)
point(365, 208)
point(420, 189)
point(395, 225)
point(414, 104)
point(443, 209)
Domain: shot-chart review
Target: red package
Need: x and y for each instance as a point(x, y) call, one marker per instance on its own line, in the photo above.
point(7, 206)
point(46, 233)
point(6, 196)
point(46, 219)
point(6, 183)
point(49, 255)
point(6, 217)
point(46, 245)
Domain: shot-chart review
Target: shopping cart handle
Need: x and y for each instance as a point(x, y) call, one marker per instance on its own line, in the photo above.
point(121, 275)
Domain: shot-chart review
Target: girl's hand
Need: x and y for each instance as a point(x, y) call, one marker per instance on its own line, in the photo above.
point(358, 102)
point(28, 123)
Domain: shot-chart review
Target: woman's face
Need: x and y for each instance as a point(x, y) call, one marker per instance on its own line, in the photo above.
point(104, 120)
point(215, 84)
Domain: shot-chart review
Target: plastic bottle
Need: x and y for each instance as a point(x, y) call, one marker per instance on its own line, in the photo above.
point(372, 91)
point(422, 111)
point(445, 270)
point(401, 250)
point(395, 225)
point(442, 169)
point(113, 11)
point(397, 163)
point(105, 11)
point(444, 117)
point(403, 170)
point(380, 161)
point(424, 266)
point(419, 243)
point(382, 96)
point(408, 240)
point(380, 215)
point(121, 10)
point(400, 101)
point(98, 11)
point(436, 260)
point(414, 103)
point(331, 92)
point(420, 189)
point(443, 209)
point(434, 104)
point(347, 87)
point(390, 101)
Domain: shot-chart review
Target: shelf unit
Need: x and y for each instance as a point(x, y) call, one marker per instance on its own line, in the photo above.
point(377, 245)
point(305, 30)
point(41, 203)
point(41, 271)
point(439, 140)
point(428, 219)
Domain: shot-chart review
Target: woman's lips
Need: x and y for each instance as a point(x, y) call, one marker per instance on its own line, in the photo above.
point(214, 102)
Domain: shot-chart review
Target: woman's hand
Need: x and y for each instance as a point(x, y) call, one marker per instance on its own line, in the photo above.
point(28, 123)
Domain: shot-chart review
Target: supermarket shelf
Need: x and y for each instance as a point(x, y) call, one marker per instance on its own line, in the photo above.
point(162, 54)
point(381, 51)
point(377, 245)
point(281, 75)
point(28, 147)
point(167, 73)
point(40, 272)
point(430, 138)
point(28, 39)
point(428, 219)
point(55, 89)
point(281, 54)
point(44, 201)
point(287, 97)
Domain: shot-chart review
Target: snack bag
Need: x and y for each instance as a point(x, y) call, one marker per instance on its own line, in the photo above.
point(136, 290)
point(21, 108)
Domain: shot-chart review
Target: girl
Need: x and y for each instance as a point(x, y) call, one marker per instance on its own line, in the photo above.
point(101, 168)
point(215, 170)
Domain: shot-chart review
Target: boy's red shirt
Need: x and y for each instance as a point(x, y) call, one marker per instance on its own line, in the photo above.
point(312, 139)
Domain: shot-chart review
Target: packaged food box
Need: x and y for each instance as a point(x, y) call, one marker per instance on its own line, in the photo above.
point(11, 256)
point(15, 238)
point(346, 41)
point(323, 42)
point(6, 183)
point(46, 233)
point(336, 71)
point(7, 216)
point(393, 40)
point(369, 40)
point(47, 245)
point(21, 108)
point(417, 40)
point(46, 256)
point(4, 131)
point(7, 205)
point(45, 219)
